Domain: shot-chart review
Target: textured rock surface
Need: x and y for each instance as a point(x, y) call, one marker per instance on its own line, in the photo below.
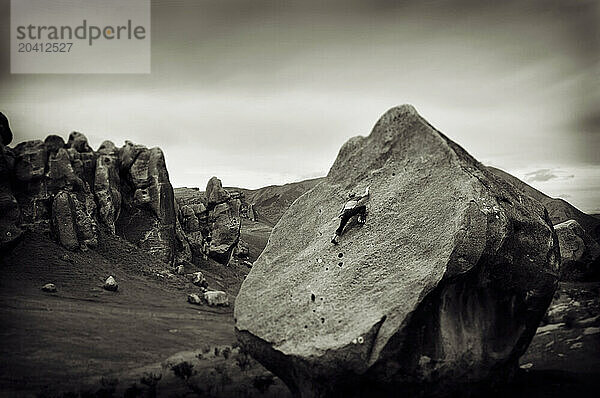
point(225, 227)
point(73, 220)
point(68, 190)
point(210, 228)
point(215, 193)
point(579, 251)
point(216, 298)
point(107, 186)
point(443, 286)
point(147, 216)
point(111, 284)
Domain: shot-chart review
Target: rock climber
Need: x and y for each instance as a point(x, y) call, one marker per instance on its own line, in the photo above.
point(356, 205)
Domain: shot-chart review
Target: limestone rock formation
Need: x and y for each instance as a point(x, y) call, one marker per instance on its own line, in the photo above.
point(107, 186)
point(147, 216)
point(580, 253)
point(443, 287)
point(211, 227)
point(69, 191)
point(215, 193)
point(225, 226)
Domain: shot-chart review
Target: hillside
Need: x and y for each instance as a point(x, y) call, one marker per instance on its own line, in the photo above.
point(558, 209)
point(271, 202)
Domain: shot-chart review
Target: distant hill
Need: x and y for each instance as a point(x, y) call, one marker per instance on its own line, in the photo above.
point(271, 202)
point(558, 209)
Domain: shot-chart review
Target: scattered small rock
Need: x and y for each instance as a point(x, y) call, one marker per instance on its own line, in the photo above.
point(216, 298)
point(198, 279)
point(247, 264)
point(193, 298)
point(49, 288)
point(111, 284)
point(528, 365)
point(180, 270)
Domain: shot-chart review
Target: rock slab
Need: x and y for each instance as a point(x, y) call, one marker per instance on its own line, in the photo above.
point(442, 288)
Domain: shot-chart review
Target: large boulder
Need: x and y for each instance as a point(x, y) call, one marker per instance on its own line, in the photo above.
point(442, 288)
point(579, 251)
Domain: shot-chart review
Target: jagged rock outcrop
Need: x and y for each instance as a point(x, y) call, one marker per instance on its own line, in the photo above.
point(211, 226)
point(69, 191)
point(147, 216)
point(215, 194)
point(442, 288)
point(579, 251)
point(107, 184)
point(73, 220)
point(225, 226)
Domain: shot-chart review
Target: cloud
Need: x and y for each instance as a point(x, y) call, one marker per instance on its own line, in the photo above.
point(542, 175)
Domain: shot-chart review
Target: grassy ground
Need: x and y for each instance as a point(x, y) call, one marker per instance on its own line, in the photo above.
point(82, 332)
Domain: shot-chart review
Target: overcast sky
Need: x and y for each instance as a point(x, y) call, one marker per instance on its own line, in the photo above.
point(266, 92)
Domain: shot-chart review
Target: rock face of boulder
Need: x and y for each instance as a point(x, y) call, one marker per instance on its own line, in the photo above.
point(579, 251)
point(443, 287)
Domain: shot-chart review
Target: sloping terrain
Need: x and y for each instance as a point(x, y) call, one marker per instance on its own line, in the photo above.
point(83, 332)
point(271, 202)
point(559, 210)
